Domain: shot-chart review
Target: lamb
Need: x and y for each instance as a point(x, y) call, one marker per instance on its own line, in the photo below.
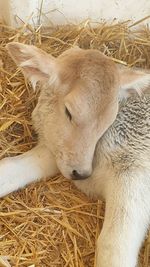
point(93, 123)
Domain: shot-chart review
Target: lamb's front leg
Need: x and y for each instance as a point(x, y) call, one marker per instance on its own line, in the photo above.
point(126, 221)
point(16, 172)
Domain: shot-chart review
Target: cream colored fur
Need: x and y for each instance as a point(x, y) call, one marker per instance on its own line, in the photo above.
point(89, 85)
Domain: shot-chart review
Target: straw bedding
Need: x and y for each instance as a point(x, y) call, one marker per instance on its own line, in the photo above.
point(51, 223)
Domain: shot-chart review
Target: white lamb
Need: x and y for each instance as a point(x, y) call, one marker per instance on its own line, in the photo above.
point(93, 123)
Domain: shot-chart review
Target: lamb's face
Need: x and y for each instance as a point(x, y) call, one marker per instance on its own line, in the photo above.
point(78, 102)
point(80, 109)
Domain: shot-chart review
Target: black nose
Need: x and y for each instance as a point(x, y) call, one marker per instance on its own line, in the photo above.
point(78, 176)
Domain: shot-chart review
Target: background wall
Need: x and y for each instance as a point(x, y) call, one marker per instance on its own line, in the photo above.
point(63, 11)
point(75, 10)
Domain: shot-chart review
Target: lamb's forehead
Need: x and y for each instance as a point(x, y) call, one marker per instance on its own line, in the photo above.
point(88, 65)
point(91, 79)
point(76, 57)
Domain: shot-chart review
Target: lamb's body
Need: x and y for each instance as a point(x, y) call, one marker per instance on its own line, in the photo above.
point(122, 177)
point(125, 147)
point(80, 136)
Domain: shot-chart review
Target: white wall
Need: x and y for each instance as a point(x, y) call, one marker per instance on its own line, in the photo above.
point(63, 11)
point(77, 10)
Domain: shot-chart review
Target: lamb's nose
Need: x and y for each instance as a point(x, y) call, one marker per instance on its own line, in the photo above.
point(79, 176)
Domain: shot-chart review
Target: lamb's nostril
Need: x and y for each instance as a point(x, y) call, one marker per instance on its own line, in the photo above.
point(75, 174)
point(78, 176)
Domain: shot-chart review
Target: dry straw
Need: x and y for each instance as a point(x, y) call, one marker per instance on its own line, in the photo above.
point(51, 223)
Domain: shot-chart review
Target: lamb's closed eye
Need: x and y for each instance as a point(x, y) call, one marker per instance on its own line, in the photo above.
point(68, 114)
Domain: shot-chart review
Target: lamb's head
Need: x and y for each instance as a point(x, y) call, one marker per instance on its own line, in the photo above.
point(79, 101)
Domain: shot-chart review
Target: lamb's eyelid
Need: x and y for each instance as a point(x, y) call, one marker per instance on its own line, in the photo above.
point(68, 113)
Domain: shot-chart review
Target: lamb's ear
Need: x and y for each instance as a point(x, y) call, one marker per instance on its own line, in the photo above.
point(133, 81)
point(36, 64)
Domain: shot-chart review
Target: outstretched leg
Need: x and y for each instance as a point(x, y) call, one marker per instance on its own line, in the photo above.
point(16, 172)
point(126, 221)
